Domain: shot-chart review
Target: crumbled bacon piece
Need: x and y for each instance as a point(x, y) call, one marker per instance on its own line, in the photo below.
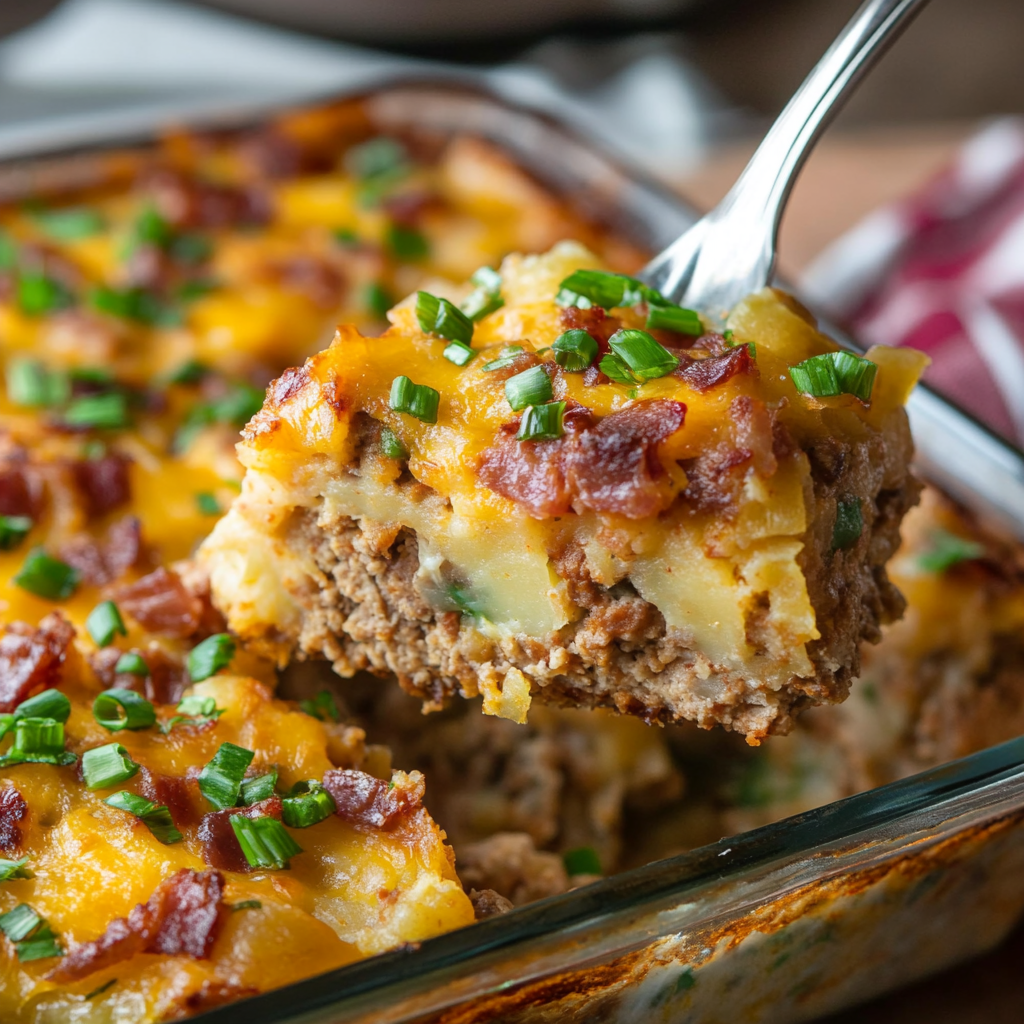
point(220, 844)
point(102, 563)
point(182, 918)
point(713, 480)
point(595, 321)
point(166, 682)
point(32, 658)
point(371, 804)
point(615, 468)
point(12, 810)
point(161, 603)
point(528, 472)
point(277, 155)
point(704, 374)
point(315, 278)
point(755, 432)
point(104, 483)
point(593, 376)
point(408, 208)
point(179, 795)
point(21, 492)
point(190, 202)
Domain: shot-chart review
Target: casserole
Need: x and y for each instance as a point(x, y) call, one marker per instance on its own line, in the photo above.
point(792, 903)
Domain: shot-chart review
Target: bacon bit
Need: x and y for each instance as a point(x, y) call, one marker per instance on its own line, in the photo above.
point(289, 384)
point(713, 483)
point(614, 467)
point(318, 280)
point(167, 679)
point(529, 472)
point(592, 376)
point(408, 208)
point(371, 804)
point(12, 810)
point(32, 659)
point(160, 603)
point(704, 374)
point(220, 844)
point(182, 918)
point(595, 321)
point(21, 491)
point(277, 155)
point(755, 432)
point(522, 361)
point(103, 563)
point(179, 795)
point(104, 482)
point(189, 202)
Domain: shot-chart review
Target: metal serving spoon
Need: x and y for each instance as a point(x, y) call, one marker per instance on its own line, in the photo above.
point(731, 252)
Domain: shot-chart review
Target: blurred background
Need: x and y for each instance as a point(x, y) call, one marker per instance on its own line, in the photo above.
point(683, 88)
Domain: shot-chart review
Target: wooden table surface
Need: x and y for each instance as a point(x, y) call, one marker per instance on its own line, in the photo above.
point(846, 177)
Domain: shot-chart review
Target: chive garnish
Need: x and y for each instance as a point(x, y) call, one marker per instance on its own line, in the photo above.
point(259, 788)
point(541, 422)
point(194, 709)
point(97, 412)
point(106, 766)
point(642, 354)
point(835, 373)
point(486, 297)
point(98, 991)
point(674, 318)
point(38, 294)
point(849, 524)
point(38, 741)
point(416, 400)
point(156, 817)
point(136, 304)
point(346, 237)
point(32, 385)
point(613, 367)
point(378, 300)
point(582, 861)
point(391, 446)
point(13, 530)
point(189, 248)
point(507, 358)
point(133, 664)
point(33, 938)
point(210, 656)
point(457, 353)
point(247, 905)
point(586, 288)
point(574, 350)
point(104, 623)
point(190, 372)
point(440, 317)
point(207, 504)
point(307, 804)
point(48, 704)
point(376, 158)
point(946, 550)
point(406, 243)
point(221, 780)
point(14, 869)
point(322, 706)
point(123, 709)
point(241, 402)
point(264, 841)
point(531, 387)
point(47, 577)
point(71, 223)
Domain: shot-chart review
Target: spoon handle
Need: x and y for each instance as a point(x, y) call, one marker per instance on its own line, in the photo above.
point(732, 251)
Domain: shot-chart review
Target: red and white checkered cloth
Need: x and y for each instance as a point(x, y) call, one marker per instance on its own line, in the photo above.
point(944, 271)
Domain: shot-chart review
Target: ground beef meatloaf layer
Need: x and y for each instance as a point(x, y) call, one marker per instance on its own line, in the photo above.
point(674, 525)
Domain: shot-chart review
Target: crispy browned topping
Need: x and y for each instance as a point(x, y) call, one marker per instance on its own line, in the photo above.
point(368, 803)
point(31, 658)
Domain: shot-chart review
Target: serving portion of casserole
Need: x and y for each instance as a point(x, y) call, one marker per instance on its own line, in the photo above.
point(569, 488)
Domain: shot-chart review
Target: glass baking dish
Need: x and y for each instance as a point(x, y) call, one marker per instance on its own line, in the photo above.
point(783, 923)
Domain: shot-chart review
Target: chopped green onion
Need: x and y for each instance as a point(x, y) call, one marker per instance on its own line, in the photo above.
point(376, 158)
point(221, 780)
point(48, 704)
point(644, 356)
point(531, 387)
point(38, 294)
point(440, 317)
point(207, 504)
point(582, 861)
point(107, 412)
point(307, 804)
point(71, 223)
point(150, 228)
point(195, 709)
point(674, 318)
point(575, 350)
point(13, 530)
point(14, 869)
point(6, 725)
point(189, 248)
point(835, 373)
point(123, 709)
point(190, 372)
point(417, 400)
point(486, 297)
point(106, 766)
point(464, 600)
point(946, 550)
point(541, 422)
point(8, 252)
point(406, 243)
point(322, 706)
point(156, 817)
point(47, 577)
point(507, 358)
point(346, 237)
point(487, 278)
point(391, 446)
point(37, 741)
point(132, 664)
point(457, 353)
point(264, 841)
point(849, 525)
point(586, 288)
point(378, 300)
point(189, 291)
point(101, 989)
point(104, 622)
point(136, 304)
point(30, 384)
point(247, 905)
point(33, 938)
point(256, 789)
point(612, 366)
point(210, 656)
